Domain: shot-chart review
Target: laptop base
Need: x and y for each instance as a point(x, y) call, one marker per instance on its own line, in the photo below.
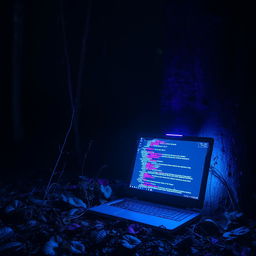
point(153, 221)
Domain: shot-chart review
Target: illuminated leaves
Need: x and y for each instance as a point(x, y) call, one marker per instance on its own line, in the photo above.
point(60, 226)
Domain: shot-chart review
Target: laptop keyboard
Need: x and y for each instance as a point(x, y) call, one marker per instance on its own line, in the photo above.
point(154, 210)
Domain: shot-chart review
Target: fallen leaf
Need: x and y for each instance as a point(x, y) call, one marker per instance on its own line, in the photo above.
point(130, 242)
point(106, 190)
point(134, 228)
point(73, 226)
point(235, 233)
point(51, 245)
point(77, 247)
point(13, 206)
point(99, 235)
point(6, 232)
point(74, 201)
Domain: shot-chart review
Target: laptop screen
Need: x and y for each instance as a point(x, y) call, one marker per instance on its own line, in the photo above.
point(170, 166)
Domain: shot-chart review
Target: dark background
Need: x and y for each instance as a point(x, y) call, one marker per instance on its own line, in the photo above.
point(149, 66)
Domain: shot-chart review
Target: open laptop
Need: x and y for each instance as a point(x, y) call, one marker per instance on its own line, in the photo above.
point(168, 180)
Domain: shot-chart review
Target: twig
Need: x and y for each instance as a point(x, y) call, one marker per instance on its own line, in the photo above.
point(79, 79)
point(60, 154)
point(62, 171)
point(85, 157)
point(226, 185)
point(68, 64)
point(78, 216)
point(100, 170)
point(83, 51)
point(74, 103)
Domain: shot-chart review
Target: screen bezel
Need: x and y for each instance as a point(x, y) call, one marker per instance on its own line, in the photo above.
point(174, 200)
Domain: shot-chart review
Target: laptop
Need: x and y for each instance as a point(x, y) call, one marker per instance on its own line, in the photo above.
point(168, 182)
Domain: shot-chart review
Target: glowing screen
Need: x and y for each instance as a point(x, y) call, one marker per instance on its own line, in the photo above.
point(169, 166)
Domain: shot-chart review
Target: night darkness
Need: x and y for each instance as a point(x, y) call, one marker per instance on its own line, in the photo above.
point(124, 68)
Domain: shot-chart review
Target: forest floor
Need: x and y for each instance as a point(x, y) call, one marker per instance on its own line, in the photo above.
point(33, 222)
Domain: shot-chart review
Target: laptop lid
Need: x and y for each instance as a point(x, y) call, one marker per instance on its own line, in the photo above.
point(172, 170)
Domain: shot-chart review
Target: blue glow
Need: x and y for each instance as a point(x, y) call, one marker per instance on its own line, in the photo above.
point(221, 160)
point(173, 135)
